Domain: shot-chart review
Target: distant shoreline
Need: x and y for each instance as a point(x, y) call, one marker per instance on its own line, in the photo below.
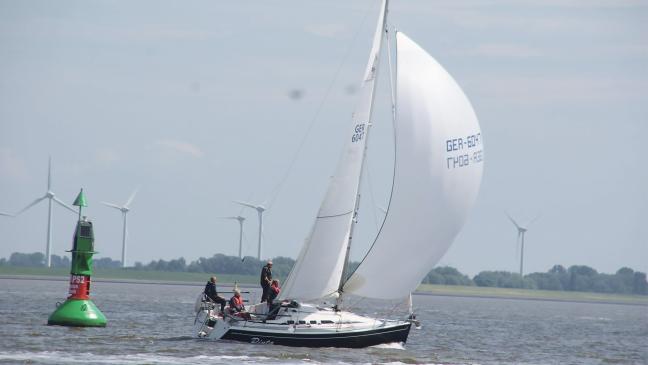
point(248, 282)
point(538, 299)
point(121, 281)
point(531, 295)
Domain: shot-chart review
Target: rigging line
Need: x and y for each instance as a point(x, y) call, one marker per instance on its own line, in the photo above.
point(371, 195)
point(394, 308)
point(391, 192)
point(355, 304)
point(391, 78)
point(277, 189)
point(334, 215)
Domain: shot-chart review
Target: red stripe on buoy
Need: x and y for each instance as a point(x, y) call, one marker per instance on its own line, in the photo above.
point(79, 287)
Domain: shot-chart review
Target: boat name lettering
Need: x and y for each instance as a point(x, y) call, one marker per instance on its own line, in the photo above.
point(257, 340)
point(458, 144)
point(358, 133)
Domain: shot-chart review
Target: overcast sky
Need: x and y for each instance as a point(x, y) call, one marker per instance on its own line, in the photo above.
point(195, 103)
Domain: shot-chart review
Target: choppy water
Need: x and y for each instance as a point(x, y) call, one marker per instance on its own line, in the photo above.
point(151, 324)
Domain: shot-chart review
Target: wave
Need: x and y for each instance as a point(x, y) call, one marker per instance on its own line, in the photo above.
point(57, 357)
point(585, 318)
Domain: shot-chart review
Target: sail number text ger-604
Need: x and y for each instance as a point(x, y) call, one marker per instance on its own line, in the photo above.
point(358, 133)
point(468, 145)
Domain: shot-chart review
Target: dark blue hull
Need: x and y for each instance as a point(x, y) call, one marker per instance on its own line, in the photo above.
point(356, 339)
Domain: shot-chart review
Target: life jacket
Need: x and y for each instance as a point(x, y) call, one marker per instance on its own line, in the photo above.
point(274, 292)
point(275, 289)
point(237, 302)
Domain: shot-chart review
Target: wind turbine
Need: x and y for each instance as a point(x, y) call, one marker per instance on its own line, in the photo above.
point(260, 209)
point(520, 238)
point(52, 197)
point(240, 220)
point(124, 209)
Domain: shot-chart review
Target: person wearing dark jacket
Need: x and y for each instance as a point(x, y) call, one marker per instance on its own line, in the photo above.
point(266, 280)
point(212, 294)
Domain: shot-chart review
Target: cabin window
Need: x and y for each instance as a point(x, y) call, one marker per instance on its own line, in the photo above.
point(291, 322)
point(313, 322)
point(326, 321)
point(302, 322)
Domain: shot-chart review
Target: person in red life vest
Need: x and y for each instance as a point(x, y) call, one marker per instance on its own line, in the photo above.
point(236, 305)
point(274, 291)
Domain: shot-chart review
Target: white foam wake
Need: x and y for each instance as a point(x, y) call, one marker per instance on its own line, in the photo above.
point(390, 346)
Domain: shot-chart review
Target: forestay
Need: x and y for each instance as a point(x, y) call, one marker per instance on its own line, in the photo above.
point(438, 171)
point(319, 266)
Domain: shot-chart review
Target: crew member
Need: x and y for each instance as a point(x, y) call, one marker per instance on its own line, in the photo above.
point(236, 305)
point(273, 292)
point(273, 308)
point(266, 280)
point(212, 294)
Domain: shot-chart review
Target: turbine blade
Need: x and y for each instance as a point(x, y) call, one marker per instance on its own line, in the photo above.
point(131, 197)
point(31, 205)
point(65, 205)
point(49, 173)
point(513, 221)
point(245, 204)
point(111, 205)
point(6, 214)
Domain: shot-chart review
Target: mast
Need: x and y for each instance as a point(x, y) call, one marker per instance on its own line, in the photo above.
point(370, 75)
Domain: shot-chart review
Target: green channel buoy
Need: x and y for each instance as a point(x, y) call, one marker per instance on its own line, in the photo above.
point(78, 310)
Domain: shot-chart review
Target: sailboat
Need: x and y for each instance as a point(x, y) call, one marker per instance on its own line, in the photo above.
point(437, 173)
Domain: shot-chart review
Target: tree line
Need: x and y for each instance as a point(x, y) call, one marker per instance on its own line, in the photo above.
point(575, 278)
point(37, 259)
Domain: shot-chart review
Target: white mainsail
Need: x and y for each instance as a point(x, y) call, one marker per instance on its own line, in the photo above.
point(318, 270)
point(438, 171)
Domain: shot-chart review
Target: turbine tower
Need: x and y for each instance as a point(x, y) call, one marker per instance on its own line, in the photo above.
point(124, 209)
point(260, 209)
point(520, 238)
point(240, 220)
point(52, 197)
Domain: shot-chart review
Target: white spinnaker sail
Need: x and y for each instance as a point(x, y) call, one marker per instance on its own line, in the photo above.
point(319, 266)
point(438, 171)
